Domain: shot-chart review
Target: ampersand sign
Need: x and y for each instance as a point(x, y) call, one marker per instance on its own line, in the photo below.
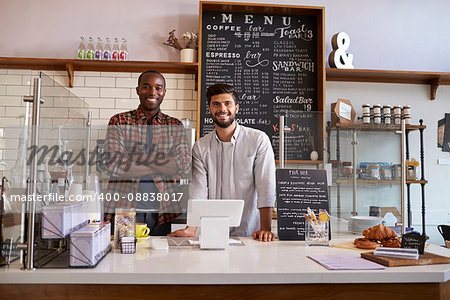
point(338, 58)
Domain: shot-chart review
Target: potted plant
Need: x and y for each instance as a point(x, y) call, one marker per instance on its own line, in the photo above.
point(188, 45)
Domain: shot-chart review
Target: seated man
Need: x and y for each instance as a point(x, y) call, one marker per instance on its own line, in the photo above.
point(234, 162)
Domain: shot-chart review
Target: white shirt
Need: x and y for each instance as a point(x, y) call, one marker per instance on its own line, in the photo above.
point(241, 169)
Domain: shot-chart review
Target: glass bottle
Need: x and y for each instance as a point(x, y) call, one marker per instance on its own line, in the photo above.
point(107, 50)
point(99, 49)
point(81, 54)
point(115, 50)
point(90, 53)
point(123, 55)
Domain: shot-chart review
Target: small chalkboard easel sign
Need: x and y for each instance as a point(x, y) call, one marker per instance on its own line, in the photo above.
point(298, 189)
point(414, 240)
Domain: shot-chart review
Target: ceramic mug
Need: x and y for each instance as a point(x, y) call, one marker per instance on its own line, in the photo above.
point(444, 230)
point(142, 230)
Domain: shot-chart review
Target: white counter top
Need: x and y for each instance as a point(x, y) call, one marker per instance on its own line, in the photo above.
point(255, 263)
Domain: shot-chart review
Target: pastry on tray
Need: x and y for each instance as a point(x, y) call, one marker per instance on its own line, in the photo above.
point(392, 243)
point(379, 232)
point(378, 236)
point(364, 243)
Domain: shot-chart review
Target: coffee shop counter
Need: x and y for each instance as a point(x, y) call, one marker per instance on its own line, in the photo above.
point(256, 269)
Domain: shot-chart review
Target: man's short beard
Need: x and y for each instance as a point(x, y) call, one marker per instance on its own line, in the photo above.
point(225, 124)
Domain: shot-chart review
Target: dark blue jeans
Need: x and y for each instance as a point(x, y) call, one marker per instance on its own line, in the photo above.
point(151, 219)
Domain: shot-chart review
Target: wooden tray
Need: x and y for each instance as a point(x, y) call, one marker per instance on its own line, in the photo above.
point(349, 246)
point(424, 259)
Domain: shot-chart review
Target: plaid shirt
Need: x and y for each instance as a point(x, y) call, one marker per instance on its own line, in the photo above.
point(127, 132)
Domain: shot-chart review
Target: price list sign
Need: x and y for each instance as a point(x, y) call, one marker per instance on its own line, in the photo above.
point(296, 191)
point(271, 60)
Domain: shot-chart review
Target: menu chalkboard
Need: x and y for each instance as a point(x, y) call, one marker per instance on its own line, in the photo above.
point(298, 189)
point(274, 62)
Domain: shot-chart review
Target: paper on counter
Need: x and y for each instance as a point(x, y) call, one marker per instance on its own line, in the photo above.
point(230, 242)
point(345, 262)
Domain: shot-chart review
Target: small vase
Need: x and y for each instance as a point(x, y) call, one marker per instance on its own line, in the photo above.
point(188, 55)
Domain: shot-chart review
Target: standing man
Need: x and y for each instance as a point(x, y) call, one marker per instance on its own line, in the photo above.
point(234, 162)
point(146, 152)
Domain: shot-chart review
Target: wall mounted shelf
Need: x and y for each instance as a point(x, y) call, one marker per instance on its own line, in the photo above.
point(381, 181)
point(434, 79)
point(71, 65)
point(374, 127)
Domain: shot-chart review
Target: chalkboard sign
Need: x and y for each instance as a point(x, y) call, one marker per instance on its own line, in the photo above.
point(415, 241)
point(273, 57)
point(298, 189)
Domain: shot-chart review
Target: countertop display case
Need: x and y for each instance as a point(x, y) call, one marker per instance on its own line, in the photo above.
point(50, 164)
point(43, 164)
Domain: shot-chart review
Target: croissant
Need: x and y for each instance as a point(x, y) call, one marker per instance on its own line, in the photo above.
point(379, 232)
point(364, 243)
point(392, 243)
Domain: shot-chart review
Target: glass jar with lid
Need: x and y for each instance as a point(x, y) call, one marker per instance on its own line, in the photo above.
point(377, 109)
point(406, 110)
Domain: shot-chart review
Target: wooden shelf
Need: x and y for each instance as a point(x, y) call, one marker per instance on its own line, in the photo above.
point(416, 181)
point(374, 127)
point(434, 79)
point(71, 65)
point(367, 181)
point(414, 127)
point(314, 162)
point(381, 181)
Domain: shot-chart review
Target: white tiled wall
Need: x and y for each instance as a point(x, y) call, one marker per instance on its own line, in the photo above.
point(106, 93)
point(103, 93)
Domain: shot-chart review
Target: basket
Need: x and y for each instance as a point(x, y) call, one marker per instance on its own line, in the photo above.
point(128, 245)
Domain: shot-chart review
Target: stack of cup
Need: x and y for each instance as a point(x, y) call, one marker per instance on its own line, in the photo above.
point(406, 113)
point(366, 113)
point(387, 114)
point(377, 114)
point(397, 114)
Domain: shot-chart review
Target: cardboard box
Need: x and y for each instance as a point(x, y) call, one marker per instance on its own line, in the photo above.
point(342, 111)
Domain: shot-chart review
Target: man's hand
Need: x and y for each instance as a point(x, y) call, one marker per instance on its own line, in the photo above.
point(189, 231)
point(263, 236)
